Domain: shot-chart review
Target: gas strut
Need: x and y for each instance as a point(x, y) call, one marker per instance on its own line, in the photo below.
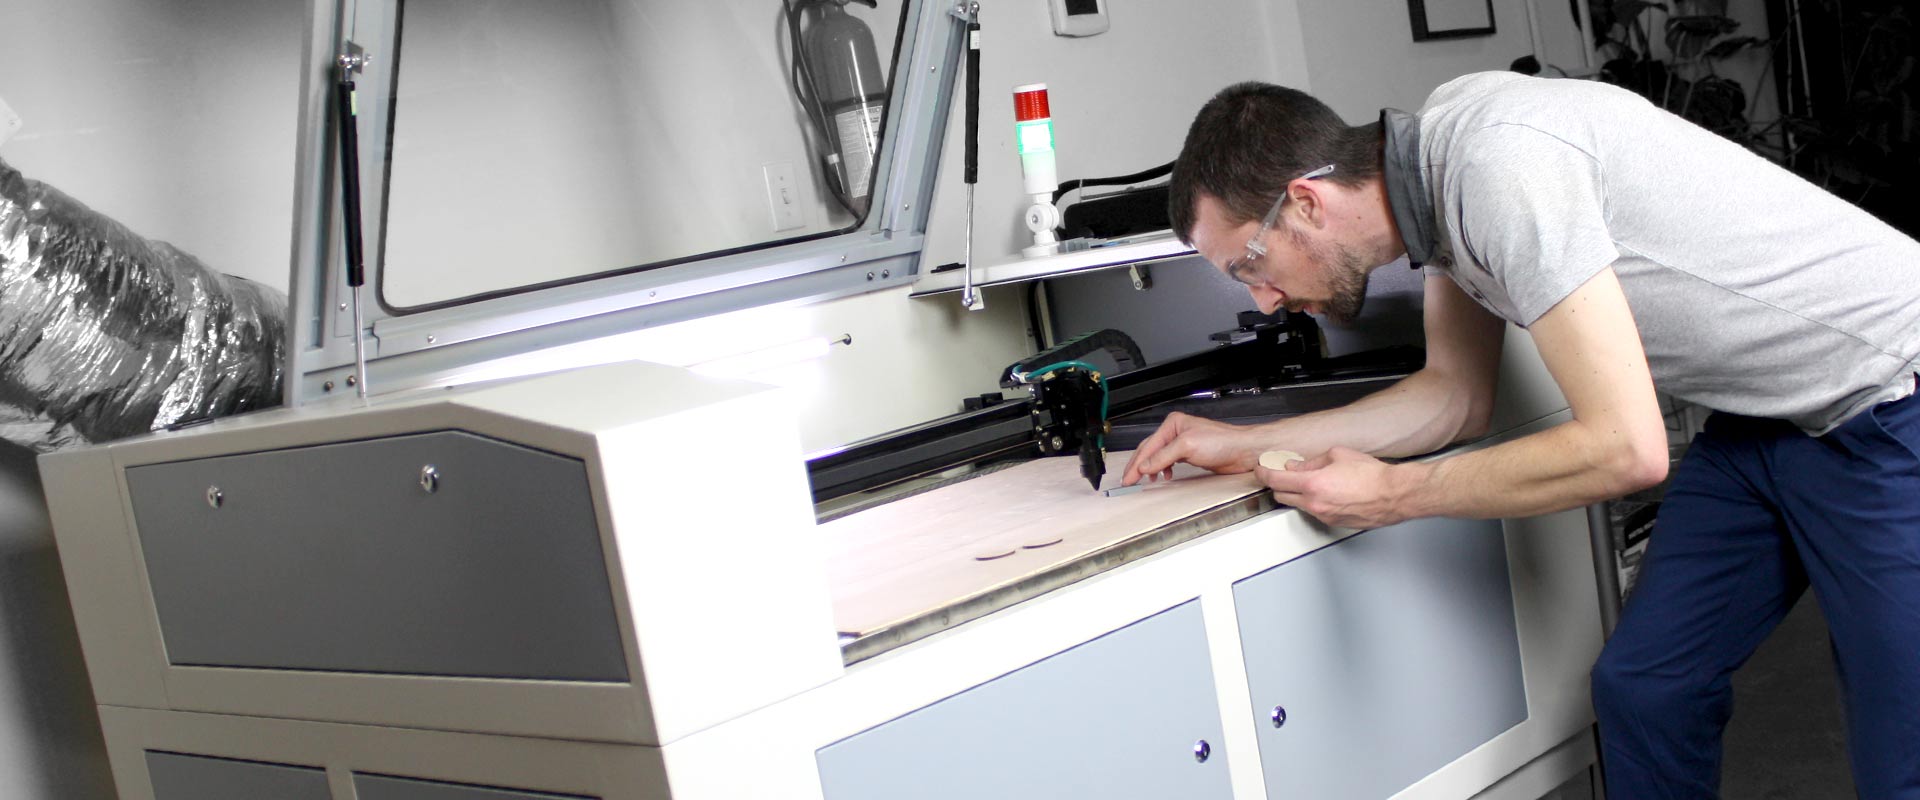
point(970, 12)
point(349, 63)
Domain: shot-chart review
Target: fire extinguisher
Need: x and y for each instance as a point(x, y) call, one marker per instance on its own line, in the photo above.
point(837, 76)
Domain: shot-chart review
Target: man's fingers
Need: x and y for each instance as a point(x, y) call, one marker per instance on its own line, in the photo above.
point(1146, 458)
point(1160, 462)
point(1292, 480)
point(1317, 462)
point(1290, 499)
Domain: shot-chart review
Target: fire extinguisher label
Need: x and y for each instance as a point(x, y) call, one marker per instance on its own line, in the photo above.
point(859, 129)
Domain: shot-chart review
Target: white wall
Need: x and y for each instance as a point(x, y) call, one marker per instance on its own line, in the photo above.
point(175, 117)
point(50, 745)
point(1121, 100)
point(1362, 56)
point(1563, 45)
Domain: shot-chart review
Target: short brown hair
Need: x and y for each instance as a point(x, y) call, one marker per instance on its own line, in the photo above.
point(1253, 138)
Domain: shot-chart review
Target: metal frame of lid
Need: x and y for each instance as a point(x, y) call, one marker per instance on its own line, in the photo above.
point(443, 344)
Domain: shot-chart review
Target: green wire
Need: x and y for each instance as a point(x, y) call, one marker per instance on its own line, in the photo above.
point(1100, 439)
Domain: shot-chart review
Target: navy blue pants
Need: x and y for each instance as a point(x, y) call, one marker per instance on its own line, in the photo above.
point(1757, 511)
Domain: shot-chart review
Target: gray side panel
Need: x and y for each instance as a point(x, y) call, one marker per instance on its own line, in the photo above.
point(334, 558)
point(1393, 652)
point(178, 777)
point(381, 787)
point(1117, 717)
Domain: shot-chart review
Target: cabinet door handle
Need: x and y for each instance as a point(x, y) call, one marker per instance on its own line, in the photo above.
point(1201, 751)
point(1279, 716)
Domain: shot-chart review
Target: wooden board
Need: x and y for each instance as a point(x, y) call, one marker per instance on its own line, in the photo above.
point(924, 554)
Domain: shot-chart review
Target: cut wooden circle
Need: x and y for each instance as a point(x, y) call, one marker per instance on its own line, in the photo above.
point(1278, 459)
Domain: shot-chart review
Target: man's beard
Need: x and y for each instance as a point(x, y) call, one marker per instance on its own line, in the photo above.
point(1346, 277)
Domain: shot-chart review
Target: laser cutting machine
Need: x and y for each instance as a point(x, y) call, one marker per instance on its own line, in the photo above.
point(628, 581)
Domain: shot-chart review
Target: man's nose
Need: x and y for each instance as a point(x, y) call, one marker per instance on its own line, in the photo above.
point(1267, 298)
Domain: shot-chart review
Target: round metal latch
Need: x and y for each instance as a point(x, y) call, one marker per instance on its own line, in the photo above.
point(214, 497)
point(1202, 750)
point(1279, 716)
point(429, 478)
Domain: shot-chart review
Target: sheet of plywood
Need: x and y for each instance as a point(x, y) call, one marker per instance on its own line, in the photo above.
point(915, 556)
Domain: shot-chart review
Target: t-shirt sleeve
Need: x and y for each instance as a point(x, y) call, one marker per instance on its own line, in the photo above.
point(1532, 212)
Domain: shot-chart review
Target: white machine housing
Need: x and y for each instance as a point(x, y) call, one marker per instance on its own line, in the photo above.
point(1438, 658)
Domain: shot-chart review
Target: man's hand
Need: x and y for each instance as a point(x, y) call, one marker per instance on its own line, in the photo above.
point(1202, 442)
point(1344, 488)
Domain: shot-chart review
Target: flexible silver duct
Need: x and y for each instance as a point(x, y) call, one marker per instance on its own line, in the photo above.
point(105, 334)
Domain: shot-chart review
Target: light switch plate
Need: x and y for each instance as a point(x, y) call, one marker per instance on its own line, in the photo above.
point(1078, 17)
point(783, 195)
point(9, 121)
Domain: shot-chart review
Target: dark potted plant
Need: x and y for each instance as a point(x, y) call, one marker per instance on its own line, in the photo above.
point(1844, 72)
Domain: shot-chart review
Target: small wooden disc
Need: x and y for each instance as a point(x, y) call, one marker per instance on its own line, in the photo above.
point(1278, 459)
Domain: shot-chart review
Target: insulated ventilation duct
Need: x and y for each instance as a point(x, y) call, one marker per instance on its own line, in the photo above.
point(105, 334)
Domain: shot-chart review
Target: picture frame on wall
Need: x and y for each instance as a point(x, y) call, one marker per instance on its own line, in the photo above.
point(1450, 19)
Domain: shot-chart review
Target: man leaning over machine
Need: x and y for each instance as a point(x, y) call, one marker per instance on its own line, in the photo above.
point(1640, 251)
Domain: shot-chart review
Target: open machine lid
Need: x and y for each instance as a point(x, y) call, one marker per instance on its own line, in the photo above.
point(533, 175)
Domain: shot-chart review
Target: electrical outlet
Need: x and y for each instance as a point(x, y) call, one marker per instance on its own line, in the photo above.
point(9, 122)
point(783, 195)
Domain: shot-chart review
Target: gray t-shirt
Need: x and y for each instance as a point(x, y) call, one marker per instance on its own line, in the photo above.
point(1755, 292)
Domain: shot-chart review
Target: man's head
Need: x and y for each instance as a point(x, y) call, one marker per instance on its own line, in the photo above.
point(1257, 149)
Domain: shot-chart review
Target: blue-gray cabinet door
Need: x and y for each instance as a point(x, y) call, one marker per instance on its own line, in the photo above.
point(1379, 659)
point(1122, 716)
point(351, 557)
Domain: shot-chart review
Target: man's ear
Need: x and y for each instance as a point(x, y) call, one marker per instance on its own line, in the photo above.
point(1307, 201)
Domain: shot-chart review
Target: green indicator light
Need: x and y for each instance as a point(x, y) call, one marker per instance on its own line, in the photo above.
point(1035, 137)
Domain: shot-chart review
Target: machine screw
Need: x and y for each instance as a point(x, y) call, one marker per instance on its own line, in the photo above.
point(430, 338)
point(429, 478)
point(1279, 716)
point(1202, 750)
point(1058, 443)
point(869, 276)
point(343, 306)
point(886, 273)
point(214, 497)
point(326, 387)
point(352, 379)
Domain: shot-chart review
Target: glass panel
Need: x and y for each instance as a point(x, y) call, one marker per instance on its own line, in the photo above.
point(536, 141)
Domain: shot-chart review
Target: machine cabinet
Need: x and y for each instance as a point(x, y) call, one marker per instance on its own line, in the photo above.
point(1377, 660)
point(1131, 714)
point(183, 777)
point(441, 553)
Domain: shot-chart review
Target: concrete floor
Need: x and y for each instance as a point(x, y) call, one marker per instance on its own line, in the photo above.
point(1786, 740)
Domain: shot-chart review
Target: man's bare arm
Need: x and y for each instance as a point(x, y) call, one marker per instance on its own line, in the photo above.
point(1449, 399)
point(1616, 442)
